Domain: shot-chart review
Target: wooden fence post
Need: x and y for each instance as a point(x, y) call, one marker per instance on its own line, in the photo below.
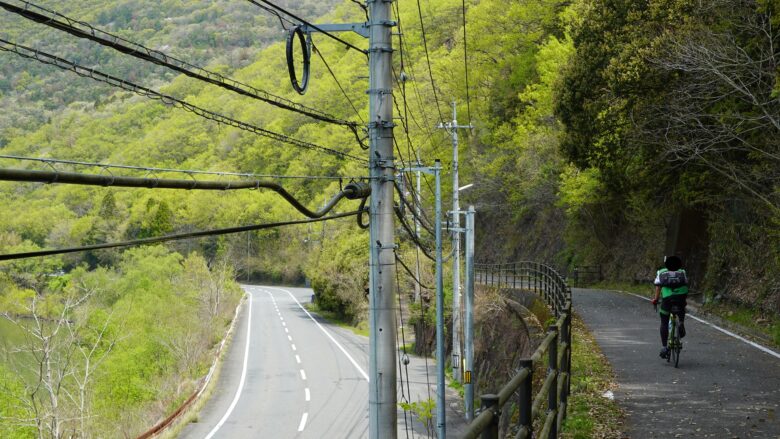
point(552, 395)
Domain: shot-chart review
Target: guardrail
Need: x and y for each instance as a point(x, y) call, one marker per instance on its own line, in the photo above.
point(555, 389)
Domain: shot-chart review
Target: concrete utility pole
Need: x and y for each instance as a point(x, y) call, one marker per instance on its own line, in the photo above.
point(452, 128)
point(469, 322)
point(382, 361)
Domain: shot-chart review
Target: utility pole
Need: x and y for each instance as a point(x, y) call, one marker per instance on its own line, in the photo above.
point(382, 398)
point(441, 424)
point(469, 322)
point(452, 128)
point(382, 362)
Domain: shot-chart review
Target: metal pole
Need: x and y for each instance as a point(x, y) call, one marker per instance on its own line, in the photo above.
point(417, 196)
point(469, 322)
point(382, 329)
point(441, 427)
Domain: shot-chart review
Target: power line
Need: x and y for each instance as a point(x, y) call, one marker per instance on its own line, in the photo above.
point(363, 7)
point(151, 170)
point(466, 63)
point(409, 272)
point(343, 92)
point(301, 20)
point(175, 237)
point(64, 64)
point(86, 31)
point(352, 191)
point(428, 60)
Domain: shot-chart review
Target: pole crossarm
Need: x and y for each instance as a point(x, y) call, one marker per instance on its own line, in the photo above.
point(358, 28)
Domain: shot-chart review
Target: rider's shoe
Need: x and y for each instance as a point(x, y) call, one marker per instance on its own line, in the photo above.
point(664, 353)
point(682, 330)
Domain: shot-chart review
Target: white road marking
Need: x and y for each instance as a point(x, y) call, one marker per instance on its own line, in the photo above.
point(293, 346)
point(308, 395)
point(289, 338)
point(302, 425)
point(243, 374)
point(286, 330)
point(725, 331)
point(284, 324)
point(352, 360)
point(303, 375)
point(298, 359)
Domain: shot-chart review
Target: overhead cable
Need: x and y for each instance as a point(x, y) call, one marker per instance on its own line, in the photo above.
point(412, 235)
point(175, 237)
point(428, 60)
point(466, 63)
point(85, 30)
point(352, 191)
point(409, 272)
point(313, 26)
point(86, 72)
point(333, 75)
point(182, 171)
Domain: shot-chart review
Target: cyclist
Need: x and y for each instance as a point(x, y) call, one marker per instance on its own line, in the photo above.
point(671, 287)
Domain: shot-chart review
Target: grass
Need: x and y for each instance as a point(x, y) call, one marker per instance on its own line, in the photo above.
point(590, 414)
point(764, 324)
point(361, 328)
point(453, 383)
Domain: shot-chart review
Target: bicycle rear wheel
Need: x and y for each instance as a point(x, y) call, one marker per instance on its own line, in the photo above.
point(675, 344)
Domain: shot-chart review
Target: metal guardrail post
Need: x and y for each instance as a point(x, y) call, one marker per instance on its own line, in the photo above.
point(490, 402)
point(552, 396)
point(526, 399)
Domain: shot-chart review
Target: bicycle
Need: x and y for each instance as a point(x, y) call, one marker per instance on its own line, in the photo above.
point(674, 343)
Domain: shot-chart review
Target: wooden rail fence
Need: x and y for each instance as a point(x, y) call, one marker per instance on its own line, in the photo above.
point(550, 400)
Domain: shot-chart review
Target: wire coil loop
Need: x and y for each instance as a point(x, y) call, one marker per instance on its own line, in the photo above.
point(305, 42)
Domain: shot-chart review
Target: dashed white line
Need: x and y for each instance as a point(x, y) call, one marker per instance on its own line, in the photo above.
point(286, 330)
point(298, 359)
point(308, 395)
point(303, 375)
point(293, 347)
point(302, 425)
point(289, 338)
point(352, 360)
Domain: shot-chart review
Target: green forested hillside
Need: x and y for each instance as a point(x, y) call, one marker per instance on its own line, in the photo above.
point(606, 132)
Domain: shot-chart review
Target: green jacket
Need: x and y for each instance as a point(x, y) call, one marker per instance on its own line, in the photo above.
point(667, 291)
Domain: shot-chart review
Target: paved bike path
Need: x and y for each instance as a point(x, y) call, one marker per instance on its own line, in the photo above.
point(724, 388)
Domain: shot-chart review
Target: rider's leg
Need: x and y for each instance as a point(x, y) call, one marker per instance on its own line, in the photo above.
point(664, 334)
point(664, 329)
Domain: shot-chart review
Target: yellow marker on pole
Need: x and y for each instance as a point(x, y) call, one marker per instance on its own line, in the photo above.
point(467, 378)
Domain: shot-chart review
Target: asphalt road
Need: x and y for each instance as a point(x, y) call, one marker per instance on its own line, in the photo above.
point(724, 387)
point(288, 374)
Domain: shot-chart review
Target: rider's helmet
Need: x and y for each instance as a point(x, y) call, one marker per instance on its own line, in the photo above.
point(672, 263)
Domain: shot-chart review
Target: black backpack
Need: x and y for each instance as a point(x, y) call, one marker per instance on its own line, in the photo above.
point(673, 279)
